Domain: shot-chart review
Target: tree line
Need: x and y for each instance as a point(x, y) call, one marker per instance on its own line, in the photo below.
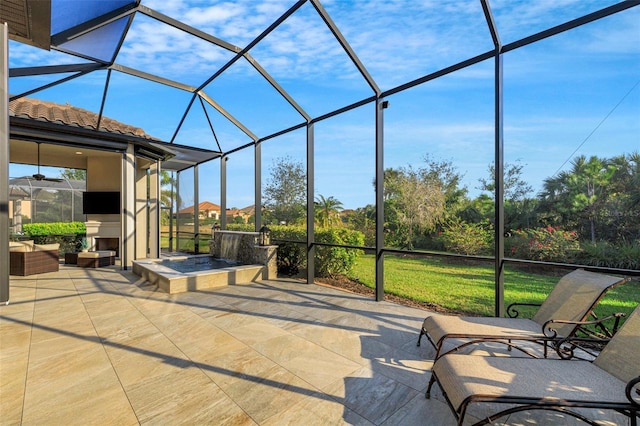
point(593, 204)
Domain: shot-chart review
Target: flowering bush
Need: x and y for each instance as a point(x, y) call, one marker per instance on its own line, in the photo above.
point(550, 244)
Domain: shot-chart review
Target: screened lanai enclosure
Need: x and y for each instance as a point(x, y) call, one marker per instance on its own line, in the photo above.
point(478, 134)
point(33, 201)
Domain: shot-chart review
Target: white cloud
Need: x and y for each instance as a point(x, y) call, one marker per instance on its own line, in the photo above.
point(209, 16)
point(399, 40)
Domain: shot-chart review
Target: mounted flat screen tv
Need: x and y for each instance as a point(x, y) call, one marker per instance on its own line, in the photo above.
point(101, 202)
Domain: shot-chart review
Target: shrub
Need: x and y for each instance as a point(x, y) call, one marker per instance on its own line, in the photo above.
point(629, 255)
point(599, 253)
point(467, 238)
point(54, 228)
point(243, 227)
point(329, 261)
point(549, 244)
point(334, 261)
point(68, 234)
point(291, 256)
point(603, 253)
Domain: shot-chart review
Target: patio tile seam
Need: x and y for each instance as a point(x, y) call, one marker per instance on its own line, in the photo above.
point(132, 298)
point(325, 392)
point(103, 342)
point(278, 362)
point(28, 362)
point(195, 363)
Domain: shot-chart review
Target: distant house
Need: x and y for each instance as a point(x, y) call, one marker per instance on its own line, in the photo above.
point(244, 213)
point(208, 209)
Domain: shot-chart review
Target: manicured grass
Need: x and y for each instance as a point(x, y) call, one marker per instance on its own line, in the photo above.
point(469, 289)
point(186, 245)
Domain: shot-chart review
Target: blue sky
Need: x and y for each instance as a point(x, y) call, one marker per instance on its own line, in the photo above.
point(577, 93)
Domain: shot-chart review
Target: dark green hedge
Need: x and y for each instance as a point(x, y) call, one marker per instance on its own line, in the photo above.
point(329, 261)
point(68, 234)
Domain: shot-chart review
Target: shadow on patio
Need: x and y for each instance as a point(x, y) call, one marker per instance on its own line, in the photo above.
point(100, 346)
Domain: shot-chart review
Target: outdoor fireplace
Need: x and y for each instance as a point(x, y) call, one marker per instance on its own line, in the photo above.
point(104, 236)
point(108, 243)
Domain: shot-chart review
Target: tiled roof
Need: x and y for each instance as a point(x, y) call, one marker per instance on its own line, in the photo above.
point(209, 206)
point(203, 206)
point(247, 211)
point(70, 116)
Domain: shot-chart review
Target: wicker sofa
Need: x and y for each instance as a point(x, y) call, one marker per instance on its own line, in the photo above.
point(27, 258)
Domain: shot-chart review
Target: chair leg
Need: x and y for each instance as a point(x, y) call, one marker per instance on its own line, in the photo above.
point(422, 333)
point(432, 380)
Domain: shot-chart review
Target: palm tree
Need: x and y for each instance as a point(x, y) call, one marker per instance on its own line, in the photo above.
point(167, 193)
point(327, 210)
point(581, 192)
point(168, 189)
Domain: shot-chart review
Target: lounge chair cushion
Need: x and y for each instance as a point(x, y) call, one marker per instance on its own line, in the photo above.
point(463, 376)
point(621, 356)
point(466, 327)
point(573, 297)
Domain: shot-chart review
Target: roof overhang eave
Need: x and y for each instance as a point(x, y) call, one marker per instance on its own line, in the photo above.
point(174, 157)
point(183, 157)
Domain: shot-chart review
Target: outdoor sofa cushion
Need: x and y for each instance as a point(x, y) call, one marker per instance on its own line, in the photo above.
point(21, 246)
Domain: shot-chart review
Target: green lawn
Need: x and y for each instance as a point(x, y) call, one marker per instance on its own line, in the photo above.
point(469, 288)
point(186, 244)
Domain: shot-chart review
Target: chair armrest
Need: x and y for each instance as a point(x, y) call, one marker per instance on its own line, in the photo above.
point(550, 332)
point(633, 387)
point(605, 331)
point(565, 346)
point(513, 312)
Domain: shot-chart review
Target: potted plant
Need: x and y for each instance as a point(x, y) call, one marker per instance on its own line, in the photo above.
point(84, 244)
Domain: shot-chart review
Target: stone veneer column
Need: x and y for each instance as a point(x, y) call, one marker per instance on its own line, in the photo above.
point(267, 255)
point(248, 251)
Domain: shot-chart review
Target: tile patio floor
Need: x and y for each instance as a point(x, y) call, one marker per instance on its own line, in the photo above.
point(98, 346)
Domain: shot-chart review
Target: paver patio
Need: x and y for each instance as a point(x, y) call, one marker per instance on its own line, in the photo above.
point(99, 346)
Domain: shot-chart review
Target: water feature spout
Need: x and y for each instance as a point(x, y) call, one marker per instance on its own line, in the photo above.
point(243, 247)
point(229, 245)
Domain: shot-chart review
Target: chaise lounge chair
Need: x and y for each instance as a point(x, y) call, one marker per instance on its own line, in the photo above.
point(611, 382)
point(561, 315)
point(572, 299)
